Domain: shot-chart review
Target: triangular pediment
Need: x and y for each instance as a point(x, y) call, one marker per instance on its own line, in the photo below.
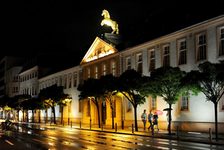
point(98, 49)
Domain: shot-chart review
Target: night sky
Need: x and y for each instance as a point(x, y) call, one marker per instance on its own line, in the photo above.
point(68, 27)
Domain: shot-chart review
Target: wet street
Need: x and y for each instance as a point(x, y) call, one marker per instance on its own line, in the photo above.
point(66, 139)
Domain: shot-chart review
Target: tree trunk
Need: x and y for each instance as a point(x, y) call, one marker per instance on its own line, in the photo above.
point(216, 120)
point(170, 119)
point(62, 114)
point(27, 116)
point(112, 117)
point(39, 117)
point(98, 113)
point(135, 115)
point(53, 111)
point(32, 115)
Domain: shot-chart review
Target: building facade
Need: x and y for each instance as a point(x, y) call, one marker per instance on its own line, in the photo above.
point(186, 49)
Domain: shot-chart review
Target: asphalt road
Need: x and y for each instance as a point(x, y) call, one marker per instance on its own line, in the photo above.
point(70, 139)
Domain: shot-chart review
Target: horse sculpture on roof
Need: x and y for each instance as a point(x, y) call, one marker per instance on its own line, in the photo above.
point(109, 22)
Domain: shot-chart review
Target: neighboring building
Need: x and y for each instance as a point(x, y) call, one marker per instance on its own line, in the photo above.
point(186, 48)
point(9, 69)
point(69, 79)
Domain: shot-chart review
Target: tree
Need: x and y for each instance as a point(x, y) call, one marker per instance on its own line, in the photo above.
point(210, 80)
point(167, 83)
point(91, 88)
point(51, 96)
point(109, 87)
point(130, 85)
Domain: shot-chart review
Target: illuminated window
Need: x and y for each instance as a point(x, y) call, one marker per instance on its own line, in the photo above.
point(113, 68)
point(104, 69)
point(88, 72)
point(128, 63)
point(96, 72)
point(201, 46)
point(184, 103)
point(221, 40)
point(182, 51)
point(129, 106)
point(139, 62)
point(152, 60)
point(153, 103)
point(166, 55)
point(74, 79)
point(221, 103)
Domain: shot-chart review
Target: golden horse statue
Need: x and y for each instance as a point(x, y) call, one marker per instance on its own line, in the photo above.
point(107, 21)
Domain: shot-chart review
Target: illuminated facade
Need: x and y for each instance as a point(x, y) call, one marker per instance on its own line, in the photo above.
point(185, 48)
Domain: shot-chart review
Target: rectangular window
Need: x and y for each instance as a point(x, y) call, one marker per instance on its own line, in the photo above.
point(104, 69)
point(153, 103)
point(139, 62)
point(221, 41)
point(74, 79)
point(201, 47)
point(88, 72)
point(65, 81)
point(70, 80)
point(129, 106)
point(152, 60)
point(113, 68)
point(96, 72)
point(166, 55)
point(184, 103)
point(221, 103)
point(128, 63)
point(182, 51)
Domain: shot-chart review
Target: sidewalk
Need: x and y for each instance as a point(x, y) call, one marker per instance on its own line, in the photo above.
point(182, 136)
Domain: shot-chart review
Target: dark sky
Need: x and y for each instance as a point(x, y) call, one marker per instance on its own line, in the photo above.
point(68, 27)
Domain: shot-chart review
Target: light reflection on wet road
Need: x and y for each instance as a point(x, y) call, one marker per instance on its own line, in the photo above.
point(66, 139)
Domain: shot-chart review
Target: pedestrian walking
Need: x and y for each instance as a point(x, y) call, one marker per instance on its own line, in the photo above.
point(150, 120)
point(144, 118)
point(155, 121)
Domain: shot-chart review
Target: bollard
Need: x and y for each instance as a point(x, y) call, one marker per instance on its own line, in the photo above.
point(71, 124)
point(210, 134)
point(80, 124)
point(177, 132)
point(132, 127)
point(115, 127)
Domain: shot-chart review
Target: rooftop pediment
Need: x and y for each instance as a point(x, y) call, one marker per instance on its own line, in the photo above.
point(98, 49)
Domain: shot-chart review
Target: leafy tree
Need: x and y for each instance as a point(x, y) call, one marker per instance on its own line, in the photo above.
point(51, 96)
point(16, 102)
point(91, 88)
point(130, 85)
point(62, 103)
point(167, 83)
point(109, 87)
point(210, 80)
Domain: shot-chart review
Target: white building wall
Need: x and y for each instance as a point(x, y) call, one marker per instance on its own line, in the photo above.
point(200, 110)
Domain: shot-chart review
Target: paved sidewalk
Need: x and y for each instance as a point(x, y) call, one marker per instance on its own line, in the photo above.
point(182, 136)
